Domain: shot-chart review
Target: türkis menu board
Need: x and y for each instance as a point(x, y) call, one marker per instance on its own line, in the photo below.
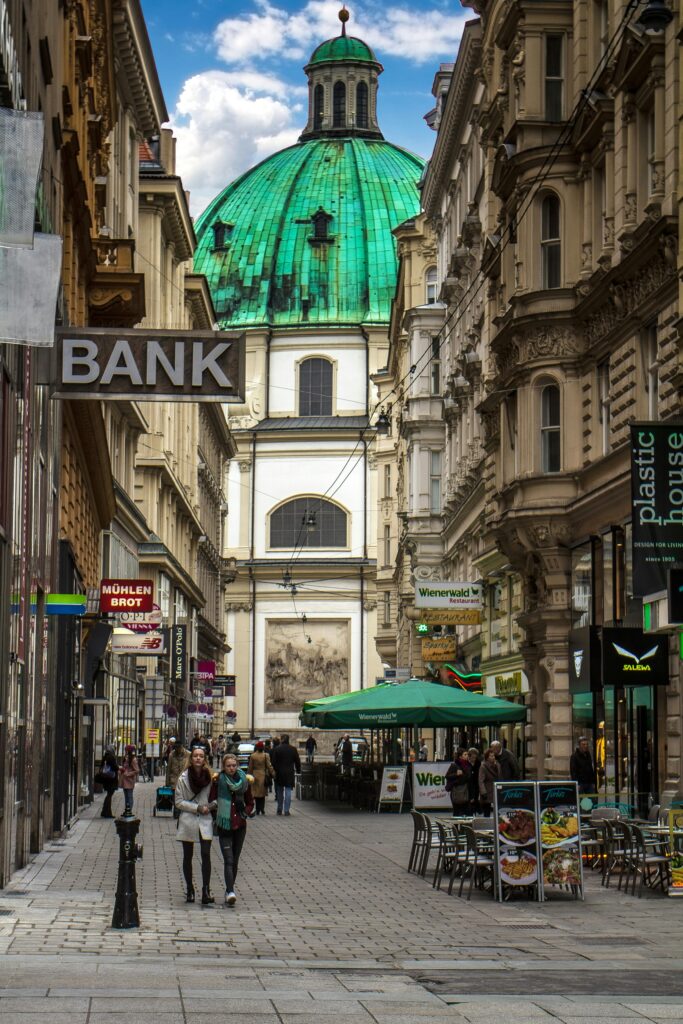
point(560, 832)
point(517, 848)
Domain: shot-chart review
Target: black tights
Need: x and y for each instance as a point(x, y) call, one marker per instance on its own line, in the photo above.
point(188, 851)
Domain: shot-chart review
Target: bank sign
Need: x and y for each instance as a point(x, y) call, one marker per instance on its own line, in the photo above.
point(465, 596)
point(148, 365)
point(657, 503)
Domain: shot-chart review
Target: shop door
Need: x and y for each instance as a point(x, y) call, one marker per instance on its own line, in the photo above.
point(642, 761)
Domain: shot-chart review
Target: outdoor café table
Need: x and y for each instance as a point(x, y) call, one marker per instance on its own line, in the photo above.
point(662, 832)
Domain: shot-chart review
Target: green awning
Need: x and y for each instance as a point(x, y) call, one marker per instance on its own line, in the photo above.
point(416, 702)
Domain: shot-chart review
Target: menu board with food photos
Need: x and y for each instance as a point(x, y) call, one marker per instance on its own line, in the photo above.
point(517, 850)
point(560, 832)
point(393, 784)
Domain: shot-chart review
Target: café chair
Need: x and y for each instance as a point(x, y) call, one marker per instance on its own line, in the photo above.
point(476, 863)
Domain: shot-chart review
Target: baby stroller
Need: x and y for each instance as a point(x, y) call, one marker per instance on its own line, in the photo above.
point(165, 802)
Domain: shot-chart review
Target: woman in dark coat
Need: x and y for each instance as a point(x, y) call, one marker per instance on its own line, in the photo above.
point(109, 779)
point(489, 774)
point(457, 782)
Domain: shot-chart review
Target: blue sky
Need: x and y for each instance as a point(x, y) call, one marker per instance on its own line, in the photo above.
point(232, 74)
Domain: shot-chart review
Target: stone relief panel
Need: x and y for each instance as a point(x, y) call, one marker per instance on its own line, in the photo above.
point(298, 670)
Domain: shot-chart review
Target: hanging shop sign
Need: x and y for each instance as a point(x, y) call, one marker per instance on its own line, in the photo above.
point(182, 366)
point(429, 786)
point(558, 814)
point(506, 684)
point(124, 642)
point(178, 653)
point(460, 596)
point(65, 604)
point(126, 596)
point(142, 622)
point(435, 648)
point(631, 657)
point(450, 616)
point(205, 671)
point(227, 683)
point(393, 784)
point(657, 503)
point(517, 848)
point(585, 670)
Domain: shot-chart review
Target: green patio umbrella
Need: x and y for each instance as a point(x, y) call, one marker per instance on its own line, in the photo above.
point(415, 702)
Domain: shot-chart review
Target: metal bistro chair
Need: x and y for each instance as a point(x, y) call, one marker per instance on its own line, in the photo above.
point(614, 854)
point(432, 842)
point(450, 848)
point(649, 858)
point(476, 862)
point(419, 840)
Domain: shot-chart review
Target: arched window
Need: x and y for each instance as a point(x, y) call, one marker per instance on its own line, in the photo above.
point(339, 105)
point(309, 522)
point(315, 387)
point(361, 105)
point(550, 429)
point(551, 244)
point(318, 107)
point(430, 285)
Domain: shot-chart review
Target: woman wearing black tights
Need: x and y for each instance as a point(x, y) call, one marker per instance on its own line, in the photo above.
point(195, 824)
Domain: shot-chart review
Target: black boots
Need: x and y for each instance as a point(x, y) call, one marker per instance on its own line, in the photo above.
point(206, 896)
point(189, 898)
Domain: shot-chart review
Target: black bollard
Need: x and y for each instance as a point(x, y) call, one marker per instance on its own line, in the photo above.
point(126, 913)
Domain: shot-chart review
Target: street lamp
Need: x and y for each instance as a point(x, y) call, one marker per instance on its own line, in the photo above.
point(655, 17)
point(383, 424)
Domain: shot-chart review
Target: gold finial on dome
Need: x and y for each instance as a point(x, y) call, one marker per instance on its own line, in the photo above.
point(344, 17)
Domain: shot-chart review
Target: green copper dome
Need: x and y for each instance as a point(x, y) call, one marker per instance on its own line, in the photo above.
point(306, 236)
point(343, 48)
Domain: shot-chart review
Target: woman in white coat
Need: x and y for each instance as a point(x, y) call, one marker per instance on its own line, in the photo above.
point(195, 823)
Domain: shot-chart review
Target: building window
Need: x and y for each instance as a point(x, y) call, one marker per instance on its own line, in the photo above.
point(651, 151)
point(387, 545)
point(554, 78)
point(582, 586)
point(309, 522)
point(362, 105)
point(318, 107)
point(550, 242)
point(435, 483)
point(550, 429)
point(604, 402)
point(651, 367)
point(387, 480)
point(386, 608)
point(430, 285)
point(315, 387)
point(339, 105)
point(435, 366)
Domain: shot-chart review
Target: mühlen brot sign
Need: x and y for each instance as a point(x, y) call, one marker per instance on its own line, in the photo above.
point(181, 366)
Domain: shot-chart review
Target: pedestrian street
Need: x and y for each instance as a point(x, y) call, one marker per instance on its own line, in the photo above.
point(328, 923)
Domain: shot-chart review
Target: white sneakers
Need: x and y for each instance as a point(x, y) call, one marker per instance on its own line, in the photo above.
point(230, 898)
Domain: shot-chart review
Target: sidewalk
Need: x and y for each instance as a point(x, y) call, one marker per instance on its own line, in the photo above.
point(328, 922)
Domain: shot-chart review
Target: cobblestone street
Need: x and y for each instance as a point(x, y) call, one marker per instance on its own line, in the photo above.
point(328, 923)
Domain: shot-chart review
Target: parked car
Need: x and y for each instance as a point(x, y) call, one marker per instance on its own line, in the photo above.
point(359, 745)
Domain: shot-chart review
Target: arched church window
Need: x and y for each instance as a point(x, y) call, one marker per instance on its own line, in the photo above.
point(309, 522)
point(315, 387)
point(318, 107)
point(339, 105)
point(362, 105)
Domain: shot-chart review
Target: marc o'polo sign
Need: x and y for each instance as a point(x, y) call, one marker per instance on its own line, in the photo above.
point(180, 366)
point(631, 657)
point(657, 503)
point(178, 653)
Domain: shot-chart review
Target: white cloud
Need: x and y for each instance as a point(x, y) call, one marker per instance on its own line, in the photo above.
point(269, 31)
point(225, 123)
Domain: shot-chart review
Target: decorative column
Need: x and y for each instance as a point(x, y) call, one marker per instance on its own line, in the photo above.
point(628, 118)
point(657, 169)
point(586, 176)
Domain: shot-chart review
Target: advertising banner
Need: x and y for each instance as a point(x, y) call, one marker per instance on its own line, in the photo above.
point(558, 809)
point(429, 786)
point(631, 657)
point(126, 596)
point(449, 595)
point(517, 850)
point(439, 648)
point(657, 503)
point(134, 643)
point(178, 653)
point(393, 784)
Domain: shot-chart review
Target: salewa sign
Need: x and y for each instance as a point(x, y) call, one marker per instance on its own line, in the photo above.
point(631, 657)
point(448, 595)
point(181, 366)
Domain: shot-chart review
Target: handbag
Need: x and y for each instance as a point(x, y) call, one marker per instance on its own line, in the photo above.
point(107, 771)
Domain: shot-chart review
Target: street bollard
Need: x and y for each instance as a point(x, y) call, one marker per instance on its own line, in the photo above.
point(126, 913)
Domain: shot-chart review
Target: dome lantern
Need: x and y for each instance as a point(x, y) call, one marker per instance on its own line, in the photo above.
point(342, 87)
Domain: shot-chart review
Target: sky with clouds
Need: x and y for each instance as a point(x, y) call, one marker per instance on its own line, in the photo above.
point(231, 71)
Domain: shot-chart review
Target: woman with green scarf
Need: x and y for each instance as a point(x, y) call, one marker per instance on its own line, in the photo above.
point(235, 805)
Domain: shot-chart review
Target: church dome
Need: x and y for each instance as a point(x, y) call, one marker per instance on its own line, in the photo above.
point(305, 237)
point(343, 48)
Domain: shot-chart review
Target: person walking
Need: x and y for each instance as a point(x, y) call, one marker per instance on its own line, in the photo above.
point(108, 778)
point(276, 744)
point(260, 767)
point(457, 782)
point(128, 776)
point(489, 775)
point(234, 804)
point(220, 750)
point(311, 747)
point(178, 760)
point(507, 762)
point(346, 754)
point(423, 751)
point(286, 763)
point(473, 782)
point(195, 824)
point(581, 767)
point(196, 741)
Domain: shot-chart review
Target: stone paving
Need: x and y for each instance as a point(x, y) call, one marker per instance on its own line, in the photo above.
point(328, 923)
